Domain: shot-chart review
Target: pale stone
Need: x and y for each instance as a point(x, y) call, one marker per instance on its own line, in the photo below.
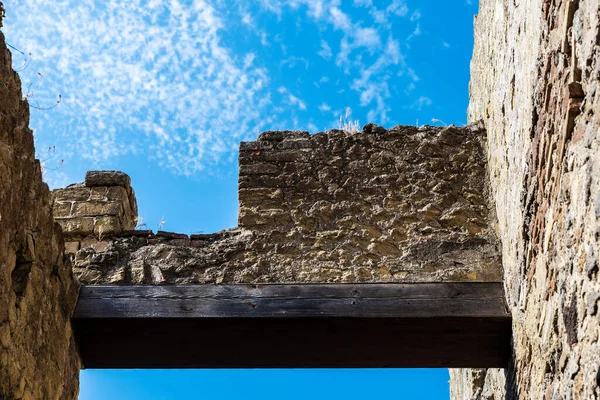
point(71, 247)
point(96, 208)
point(98, 193)
point(61, 209)
point(76, 226)
point(106, 226)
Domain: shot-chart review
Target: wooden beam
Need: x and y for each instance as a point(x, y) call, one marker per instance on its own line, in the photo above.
point(293, 326)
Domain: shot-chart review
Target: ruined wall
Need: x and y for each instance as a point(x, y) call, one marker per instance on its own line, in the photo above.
point(535, 78)
point(38, 358)
point(96, 210)
point(401, 205)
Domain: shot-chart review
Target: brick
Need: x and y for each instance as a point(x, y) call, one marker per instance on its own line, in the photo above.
point(97, 208)
point(107, 178)
point(98, 193)
point(107, 226)
point(61, 209)
point(71, 247)
point(259, 169)
point(118, 193)
point(71, 194)
point(76, 226)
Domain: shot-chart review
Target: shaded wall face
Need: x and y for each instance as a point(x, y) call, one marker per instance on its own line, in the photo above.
point(38, 357)
point(535, 77)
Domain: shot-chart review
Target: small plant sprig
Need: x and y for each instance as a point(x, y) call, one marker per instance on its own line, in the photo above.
point(50, 152)
point(27, 59)
point(346, 124)
point(30, 93)
point(140, 223)
point(100, 234)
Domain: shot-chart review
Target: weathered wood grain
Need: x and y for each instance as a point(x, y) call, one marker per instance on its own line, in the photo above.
point(293, 326)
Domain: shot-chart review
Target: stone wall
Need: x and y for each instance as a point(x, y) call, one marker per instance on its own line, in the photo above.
point(92, 212)
point(535, 81)
point(401, 205)
point(38, 356)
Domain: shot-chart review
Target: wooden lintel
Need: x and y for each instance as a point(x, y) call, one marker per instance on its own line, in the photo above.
point(293, 326)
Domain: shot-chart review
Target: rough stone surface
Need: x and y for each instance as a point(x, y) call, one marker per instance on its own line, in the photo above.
point(38, 356)
point(107, 178)
point(401, 205)
point(93, 211)
point(535, 83)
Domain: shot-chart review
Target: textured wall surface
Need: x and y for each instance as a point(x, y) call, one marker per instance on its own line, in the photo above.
point(401, 205)
point(535, 77)
point(96, 210)
point(38, 358)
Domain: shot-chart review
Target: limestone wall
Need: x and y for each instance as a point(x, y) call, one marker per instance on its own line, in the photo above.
point(401, 205)
point(38, 356)
point(96, 210)
point(535, 80)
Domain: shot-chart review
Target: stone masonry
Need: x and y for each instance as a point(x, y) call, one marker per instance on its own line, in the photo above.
point(536, 85)
point(92, 212)
point(38, 356)
point(401, 205)
point(406, 204)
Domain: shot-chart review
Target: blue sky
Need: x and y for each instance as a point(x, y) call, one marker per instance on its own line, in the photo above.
point(166, 90)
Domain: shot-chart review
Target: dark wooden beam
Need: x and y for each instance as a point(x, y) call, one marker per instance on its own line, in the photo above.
point(293, 326)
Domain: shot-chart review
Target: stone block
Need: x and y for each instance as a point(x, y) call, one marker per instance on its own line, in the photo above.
point(98, 193)
point(71, 247)
point(118, 193)
point(97, 208)
point(107, 226)
point(88, 241)
point(61, 209)
point(76, 193)
point(76, 226)
point(171, 235)
point(259, 194)
point(107, 178)
point(259, 169)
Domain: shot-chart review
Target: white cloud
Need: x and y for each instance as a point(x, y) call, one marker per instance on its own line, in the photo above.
point(157, 78)
point(367, 37)
point(292, 99)
point(292, 61)
point(247, 19)
point(325, 51)
point(324, 107)
point(422, 102)
point(139, 77)
point(339, 19)
point(397, 7)
point(248, 59)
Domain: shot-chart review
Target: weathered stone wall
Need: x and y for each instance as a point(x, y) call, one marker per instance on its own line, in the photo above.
point(92, 212)
point(535, 78)
point(38, 357)
point(401, 205)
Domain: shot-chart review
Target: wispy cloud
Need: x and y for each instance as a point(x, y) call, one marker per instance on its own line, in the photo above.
point(165, 79)
point(324, 107)
point(422, 102)
point(325, 51)
point(292, 99)
point(139, 75)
